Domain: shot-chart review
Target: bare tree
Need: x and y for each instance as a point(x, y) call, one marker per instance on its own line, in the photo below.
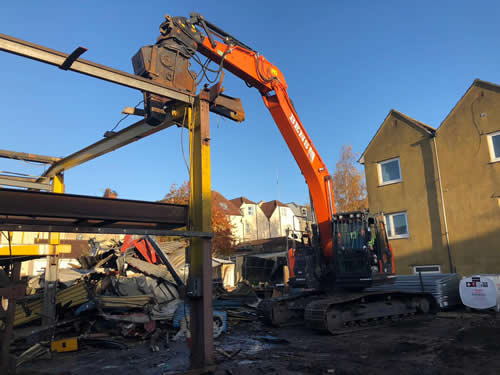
point(349, 183)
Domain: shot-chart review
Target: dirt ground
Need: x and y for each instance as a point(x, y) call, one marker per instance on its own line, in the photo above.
point(452, 345)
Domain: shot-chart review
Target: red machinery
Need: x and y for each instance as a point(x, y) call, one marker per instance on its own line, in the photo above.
point(143, 245)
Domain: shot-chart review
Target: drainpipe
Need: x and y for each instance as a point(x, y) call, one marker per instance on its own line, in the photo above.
point(443, 206)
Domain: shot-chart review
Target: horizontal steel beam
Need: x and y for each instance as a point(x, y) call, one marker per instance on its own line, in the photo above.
point(28, 157)
point(24, 183)
point(103, 230)
point(36, 52)
point(67, 210)
point(38, 249)
point(125, 136)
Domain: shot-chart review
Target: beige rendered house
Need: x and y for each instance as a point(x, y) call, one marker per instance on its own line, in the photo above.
point(255, 224)
point(281, 218)
point(232, 213)
point(439, 190)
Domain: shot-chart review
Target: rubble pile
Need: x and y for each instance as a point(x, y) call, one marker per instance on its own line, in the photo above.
point(122, 291)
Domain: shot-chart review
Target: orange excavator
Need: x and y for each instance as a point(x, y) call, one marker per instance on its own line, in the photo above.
point(345, 252)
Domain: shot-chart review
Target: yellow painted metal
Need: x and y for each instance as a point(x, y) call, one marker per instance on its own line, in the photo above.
point(201, 197)
point(63, 248)
point(57, 187)
point(200, 209)
point(64, 345)
point(43, 249)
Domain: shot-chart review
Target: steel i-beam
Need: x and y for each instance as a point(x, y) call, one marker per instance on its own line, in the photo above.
point(36, 52)
point(200, 276)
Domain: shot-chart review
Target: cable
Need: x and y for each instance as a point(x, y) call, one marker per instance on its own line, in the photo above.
point(124, 117)
point(31, 163)
point(205, 68)
point(197, 60)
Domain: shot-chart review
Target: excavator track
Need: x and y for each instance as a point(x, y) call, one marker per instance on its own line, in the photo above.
point(356, 311)
point(344, 313)
point(286, 310)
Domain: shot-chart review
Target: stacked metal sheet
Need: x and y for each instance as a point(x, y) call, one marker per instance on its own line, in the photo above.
point(443, 286)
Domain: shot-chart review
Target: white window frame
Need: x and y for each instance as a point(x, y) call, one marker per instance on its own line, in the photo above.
point(427, 265)
point(490, 136)
point(379, 169)
point(396, 236)
point(250, 210)
point(283, 211)
point(303, 211)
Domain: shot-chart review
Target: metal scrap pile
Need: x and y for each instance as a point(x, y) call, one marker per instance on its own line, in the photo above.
point(128, 290)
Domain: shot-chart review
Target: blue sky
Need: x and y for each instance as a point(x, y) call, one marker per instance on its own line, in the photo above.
point(347, 63)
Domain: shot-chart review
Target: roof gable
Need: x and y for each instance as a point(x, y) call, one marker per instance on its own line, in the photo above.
point(406, 120)
point(269, 207)
point(238, 202)
point(476, 83)
point(220, 202)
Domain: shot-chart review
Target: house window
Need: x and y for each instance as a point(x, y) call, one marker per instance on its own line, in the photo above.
point(427, 269)
point(389, 171)
point(247, 227)
point(304, 211)
point(250, 210)
point(494, 146)
point(397, 225)
point(283, 211)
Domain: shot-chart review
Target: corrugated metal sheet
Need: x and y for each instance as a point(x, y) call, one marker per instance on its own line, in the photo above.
point(76, 294)
point(443, 286)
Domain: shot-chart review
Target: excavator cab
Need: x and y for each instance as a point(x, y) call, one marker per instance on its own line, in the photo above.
point(362, 255)
point(362, 252)
point(304, 263)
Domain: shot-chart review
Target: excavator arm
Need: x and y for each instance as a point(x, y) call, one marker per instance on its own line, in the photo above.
point(181, 38)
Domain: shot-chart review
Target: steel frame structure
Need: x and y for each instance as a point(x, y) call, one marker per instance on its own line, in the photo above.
point(29, 210)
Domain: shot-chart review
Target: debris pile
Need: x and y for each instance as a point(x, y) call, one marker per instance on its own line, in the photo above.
point(125, 290)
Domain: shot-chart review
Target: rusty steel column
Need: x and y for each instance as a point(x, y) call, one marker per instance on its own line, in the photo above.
point(200, 276)
point(52, 267)
point(7, 361)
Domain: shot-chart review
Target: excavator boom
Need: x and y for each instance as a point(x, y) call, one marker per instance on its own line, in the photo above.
point(361, 252)
point(184, 36)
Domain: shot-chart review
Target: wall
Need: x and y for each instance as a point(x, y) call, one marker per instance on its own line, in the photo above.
point(471, 181)
point(255, 226)
point(301, 221)
point(280, 220)
point(417, 194)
